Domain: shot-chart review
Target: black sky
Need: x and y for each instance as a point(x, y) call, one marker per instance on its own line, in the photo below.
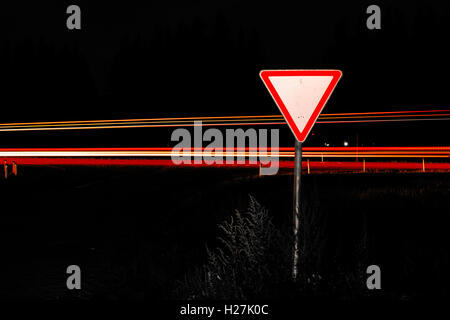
point(282, 25)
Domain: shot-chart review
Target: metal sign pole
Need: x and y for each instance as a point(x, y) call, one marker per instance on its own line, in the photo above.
point(296, 213)
point(296, 105)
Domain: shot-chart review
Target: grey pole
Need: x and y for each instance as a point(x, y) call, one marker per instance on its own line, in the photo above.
point(296, 214)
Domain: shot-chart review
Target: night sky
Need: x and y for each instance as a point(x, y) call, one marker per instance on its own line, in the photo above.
point(306, 29)
point(203, 59)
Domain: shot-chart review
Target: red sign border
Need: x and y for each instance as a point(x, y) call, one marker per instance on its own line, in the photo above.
point(300, 135)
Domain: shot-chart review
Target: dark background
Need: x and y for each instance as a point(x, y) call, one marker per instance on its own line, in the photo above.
point(198, 58)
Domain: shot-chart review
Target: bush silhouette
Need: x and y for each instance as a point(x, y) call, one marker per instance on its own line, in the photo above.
point(251, 260)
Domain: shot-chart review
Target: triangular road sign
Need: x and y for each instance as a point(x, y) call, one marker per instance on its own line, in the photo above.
point(300, 95)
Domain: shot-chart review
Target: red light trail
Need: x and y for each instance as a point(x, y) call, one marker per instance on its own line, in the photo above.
point(412, 158)
point(314, 166)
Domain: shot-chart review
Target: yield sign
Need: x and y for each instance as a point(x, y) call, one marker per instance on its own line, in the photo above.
point(300, 95)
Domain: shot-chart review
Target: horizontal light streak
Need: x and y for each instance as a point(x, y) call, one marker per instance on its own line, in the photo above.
point(179, 121)
point(336, 152)
point(365, 117)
